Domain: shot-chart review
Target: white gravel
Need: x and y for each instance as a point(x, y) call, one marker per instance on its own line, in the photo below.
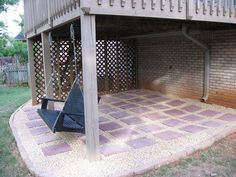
point(74, 163)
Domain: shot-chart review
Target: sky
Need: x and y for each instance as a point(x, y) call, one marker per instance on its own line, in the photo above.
point(9, 17)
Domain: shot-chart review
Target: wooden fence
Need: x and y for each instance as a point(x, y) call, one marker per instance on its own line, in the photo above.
point(16, 76)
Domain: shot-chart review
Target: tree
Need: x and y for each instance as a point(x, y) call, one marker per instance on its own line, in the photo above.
point(3, 29)
point(9, 46)
point(13, 48)
point(19, 49)
point(4, 39)
point(5, 3)
point(20, 23)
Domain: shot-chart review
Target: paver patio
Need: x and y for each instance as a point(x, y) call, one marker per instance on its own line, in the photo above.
point(138, 129)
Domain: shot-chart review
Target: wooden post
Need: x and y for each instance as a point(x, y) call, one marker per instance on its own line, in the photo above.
point(32, 72)
point(47, 68)
point(88, 41)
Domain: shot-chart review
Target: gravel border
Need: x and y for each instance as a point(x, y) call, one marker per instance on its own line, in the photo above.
point(25, 158)
point(181, 154)
point(135, 171)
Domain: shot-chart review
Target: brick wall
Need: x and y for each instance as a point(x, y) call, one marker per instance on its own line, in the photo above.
point(175, 66)
point(223, 69)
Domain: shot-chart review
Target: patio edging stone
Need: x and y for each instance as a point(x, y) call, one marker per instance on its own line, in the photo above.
point(151, 166)
point(33, 170)
point(181, 154)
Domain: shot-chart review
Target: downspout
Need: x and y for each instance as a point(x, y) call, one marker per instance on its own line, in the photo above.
point(206, 62)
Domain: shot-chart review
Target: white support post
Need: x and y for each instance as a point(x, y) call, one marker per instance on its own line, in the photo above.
point(47, 68)
point(88, 40)
point(31, 68)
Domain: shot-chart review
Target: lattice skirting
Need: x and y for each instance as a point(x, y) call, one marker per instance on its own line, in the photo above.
point(116, 66)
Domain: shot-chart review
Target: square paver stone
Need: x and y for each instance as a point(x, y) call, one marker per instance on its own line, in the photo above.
point(155, 116)
point(107, 111)
point(140, 110)
point(228, 117)
point(147, 103)
point(211, 123)
point(192, 128)
point(103, 140)
point(191, 108)
point(209, 113)
point(150, 128)
point(136, 100)
point(175, 103)
point(119, 103)
point(129, 106)
point(159, 99)
point(174, 112)
point(120, 114)
point(173, 122)
point(169, 135)
point(160, 107)
point(141, 93)
point(119, 94)
point(192, 118)
point(110, 99)
point(104, 106)
point(35, 123)
point(56, 149)
point(29, 109)
point(39, 131)
point(152, 96)
point(123, 95)
point(103, 119)
point(33, 116)
point(109, 126)
point(33, 112)
point(123, 133)
point(133, 121)
point(140, 142)
point(133, 92)
point(112, 149)
point(45, 138)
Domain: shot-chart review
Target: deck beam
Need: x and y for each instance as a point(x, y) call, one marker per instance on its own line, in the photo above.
point(88, 41)
point(47, 67)
point(32, 83)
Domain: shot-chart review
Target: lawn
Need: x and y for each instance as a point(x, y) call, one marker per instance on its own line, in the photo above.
point(10, 99)
point(217, 161)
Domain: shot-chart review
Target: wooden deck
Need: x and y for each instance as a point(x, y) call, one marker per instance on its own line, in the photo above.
point(41, 15)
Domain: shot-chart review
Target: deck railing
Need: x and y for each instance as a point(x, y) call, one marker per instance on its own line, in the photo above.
point(151, 8)
point(212, 10)
point(41, 12)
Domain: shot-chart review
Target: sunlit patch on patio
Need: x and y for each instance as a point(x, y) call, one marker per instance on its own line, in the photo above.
point(139, 130)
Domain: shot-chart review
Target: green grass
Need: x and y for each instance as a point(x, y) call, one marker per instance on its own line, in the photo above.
point(219, 160)
point(10, 99)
